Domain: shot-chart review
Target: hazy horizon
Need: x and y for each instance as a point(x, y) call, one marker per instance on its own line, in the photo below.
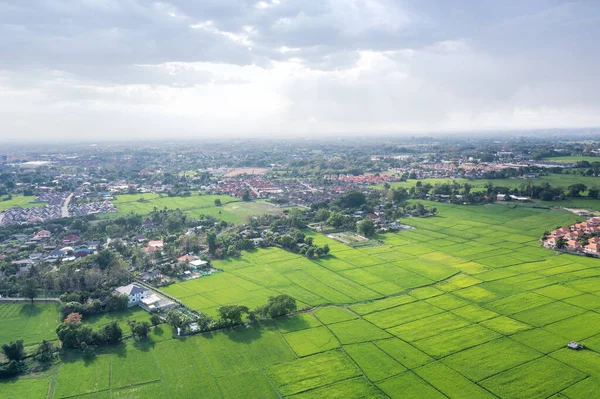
point(177, 70)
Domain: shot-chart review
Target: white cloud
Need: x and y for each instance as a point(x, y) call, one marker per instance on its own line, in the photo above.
point(143, 69)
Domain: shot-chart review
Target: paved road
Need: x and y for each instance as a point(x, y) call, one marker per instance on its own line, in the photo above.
point(64, 210)
point(29, 299)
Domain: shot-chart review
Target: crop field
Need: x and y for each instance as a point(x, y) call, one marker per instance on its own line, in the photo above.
point(467, 305)
point(233, 210)
point(32, 323)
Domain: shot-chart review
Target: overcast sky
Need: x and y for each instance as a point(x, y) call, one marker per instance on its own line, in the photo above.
point(110, 69)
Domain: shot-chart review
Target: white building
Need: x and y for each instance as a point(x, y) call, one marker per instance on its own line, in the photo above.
point(135, 293)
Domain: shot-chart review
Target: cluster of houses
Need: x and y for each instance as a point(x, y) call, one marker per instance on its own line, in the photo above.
point(579, 238)
point(48, 249)
point(30, 215)
point(92, 208)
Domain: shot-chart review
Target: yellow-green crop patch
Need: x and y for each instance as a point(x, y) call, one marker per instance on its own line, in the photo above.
point(333, 314)
point(356, 331)
point(505, 325)
point(354, 388)
point(456, 340)
point(402, 314)
point(374, 363)
point(540, 378)
point(409, 386)
point(312, 372)
point(490, 358)
point(428, 327)
point(311, 341)
point(451, 383)
point(297, 322)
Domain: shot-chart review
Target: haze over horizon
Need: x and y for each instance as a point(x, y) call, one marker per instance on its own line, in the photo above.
point(138, 69)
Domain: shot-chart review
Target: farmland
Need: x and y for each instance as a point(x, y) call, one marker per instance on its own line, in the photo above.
point(233, 210)
point(465, 305)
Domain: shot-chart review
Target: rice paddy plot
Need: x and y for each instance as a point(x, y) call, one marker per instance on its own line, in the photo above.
point(451, 383)
point(311, 341)
point(505, 325)
point(24, 388)
point(404, 353)
point(312, 372)
point(356, 331)
point(402, 314)
point(456, 340)
point(578, 327)
point(428, 327)
point(549, 313)
point(333, 314)
point(297, 322)
point(30, 322)
point(253, 384)
point(382, 304)
point(540, 378)
point(484, 360)
point(409, 386)
point(374, 363)
point(77, 377)
point(354, 388)
point(540, 340)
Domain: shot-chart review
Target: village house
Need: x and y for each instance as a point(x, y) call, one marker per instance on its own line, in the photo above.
point(592, 249)
point(573, 245)
point(42, 235)
point(134, 292)
point(71, 239)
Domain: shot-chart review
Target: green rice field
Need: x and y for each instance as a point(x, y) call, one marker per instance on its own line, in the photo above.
point(32, 323)
point(232, 210)
point(467, 305)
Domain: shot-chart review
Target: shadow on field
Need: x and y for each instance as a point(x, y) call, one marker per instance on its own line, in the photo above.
point(31, 309)
point(238, 334)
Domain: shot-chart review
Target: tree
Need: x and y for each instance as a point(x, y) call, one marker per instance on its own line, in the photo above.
point(594, 193)
point(352, 199)
point(218, 202)
point(232, 314)
point(326, 249)
point(111, 333)
point(246, 195)
point(140, 330)
point(155, 320)
point(44, 352)
point(211, 240)
point(278, 306)
point(29, 289)
point(576, 189)
point(366, 227)
point(73, 319)
point(336, 219)
point(14, 350)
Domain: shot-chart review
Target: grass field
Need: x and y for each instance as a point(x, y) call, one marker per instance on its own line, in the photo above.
point(19, 201)
point(467, 305)
point(233, 210)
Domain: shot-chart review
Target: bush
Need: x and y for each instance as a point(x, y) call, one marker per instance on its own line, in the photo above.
point(14, 350)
